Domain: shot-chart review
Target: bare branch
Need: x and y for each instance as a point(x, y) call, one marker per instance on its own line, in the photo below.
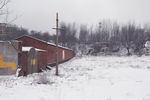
point(3, 3)
point(14, 19)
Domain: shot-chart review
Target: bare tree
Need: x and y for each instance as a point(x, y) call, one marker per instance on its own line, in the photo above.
point(3, 16)
point(127, 36)
point(3, 4)
point(114, 40)
point(67, 36)
point(83, 35)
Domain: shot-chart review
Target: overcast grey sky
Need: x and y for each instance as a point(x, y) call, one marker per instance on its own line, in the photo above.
point(40, 14)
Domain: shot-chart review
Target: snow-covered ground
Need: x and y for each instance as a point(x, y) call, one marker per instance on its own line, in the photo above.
point(85, 78)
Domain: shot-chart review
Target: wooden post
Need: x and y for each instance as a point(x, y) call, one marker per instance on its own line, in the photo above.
point(57, 51)
point(57, 44)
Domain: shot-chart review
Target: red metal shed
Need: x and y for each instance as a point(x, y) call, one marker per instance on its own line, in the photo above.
point(44, 58)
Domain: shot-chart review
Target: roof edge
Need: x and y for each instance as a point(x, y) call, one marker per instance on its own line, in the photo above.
point(48, 43)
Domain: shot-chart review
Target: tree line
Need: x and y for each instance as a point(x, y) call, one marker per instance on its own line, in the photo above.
point(116, 35)
point(129, 36)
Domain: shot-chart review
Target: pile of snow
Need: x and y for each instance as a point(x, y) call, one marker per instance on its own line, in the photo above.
point(123, 52)
point(147, 44)
point(85, 78)
point(147, 48)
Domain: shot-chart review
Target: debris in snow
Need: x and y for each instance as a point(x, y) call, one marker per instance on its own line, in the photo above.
point(17, 71)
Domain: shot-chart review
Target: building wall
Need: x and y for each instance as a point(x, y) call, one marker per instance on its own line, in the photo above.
point(8, 57)
point(51, 58)
point(42, 60)
point(51, 49)
point(24, 59)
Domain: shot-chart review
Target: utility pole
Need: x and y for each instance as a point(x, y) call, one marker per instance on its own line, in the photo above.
point(57, 30)
point(57, 43)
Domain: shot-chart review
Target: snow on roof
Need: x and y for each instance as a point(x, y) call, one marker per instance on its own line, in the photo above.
point(58, 46)
point(2, 41)
point(10, 41)
point(49, 43)
point(28, 49)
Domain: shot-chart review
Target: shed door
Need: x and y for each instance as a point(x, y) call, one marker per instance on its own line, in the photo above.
point(63, 55)
point(32, 66)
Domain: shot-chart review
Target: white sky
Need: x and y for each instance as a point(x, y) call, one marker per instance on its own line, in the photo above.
point(40, 14)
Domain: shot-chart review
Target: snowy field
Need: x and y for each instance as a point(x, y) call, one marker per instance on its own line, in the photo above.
point(85, 78)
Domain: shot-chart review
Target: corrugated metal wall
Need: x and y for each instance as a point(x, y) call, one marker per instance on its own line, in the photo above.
point(8, 57)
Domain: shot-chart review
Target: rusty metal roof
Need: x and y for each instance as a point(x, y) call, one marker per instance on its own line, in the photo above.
point(48, 43)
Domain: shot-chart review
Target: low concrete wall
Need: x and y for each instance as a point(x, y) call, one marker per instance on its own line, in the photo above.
point(8, 57)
